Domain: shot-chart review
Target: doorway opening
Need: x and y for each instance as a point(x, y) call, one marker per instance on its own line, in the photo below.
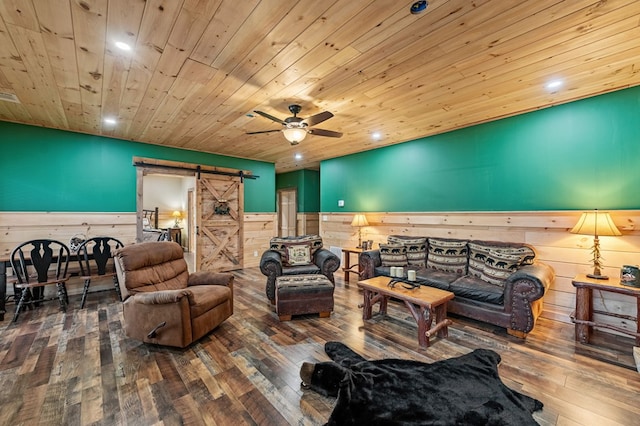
point(287, 205)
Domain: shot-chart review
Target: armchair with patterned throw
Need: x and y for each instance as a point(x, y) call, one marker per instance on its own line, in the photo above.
point(296, 256)
point(165, 304)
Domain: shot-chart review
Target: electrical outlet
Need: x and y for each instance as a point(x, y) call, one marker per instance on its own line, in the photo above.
point(325, 218)
point(340, 203)
point(255, 253)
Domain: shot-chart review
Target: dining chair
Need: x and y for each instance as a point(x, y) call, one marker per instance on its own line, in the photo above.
point(95, 257)
point(37, 264)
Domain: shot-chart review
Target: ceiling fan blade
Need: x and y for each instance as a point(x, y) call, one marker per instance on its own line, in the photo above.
point(323, 132)
point(270, 117)
point(263, 131)
point(317, 119)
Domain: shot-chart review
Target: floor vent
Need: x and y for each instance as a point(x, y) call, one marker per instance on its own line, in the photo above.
point(9, 97)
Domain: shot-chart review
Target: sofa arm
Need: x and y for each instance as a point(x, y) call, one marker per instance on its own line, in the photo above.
point(327, 262)
point(524, 290)
point(369, 260)
point(271, 266)
point(271, 263)
point(210, 278)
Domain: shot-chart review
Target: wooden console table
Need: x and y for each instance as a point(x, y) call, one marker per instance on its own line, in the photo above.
point(583, 315)
point(348, 267)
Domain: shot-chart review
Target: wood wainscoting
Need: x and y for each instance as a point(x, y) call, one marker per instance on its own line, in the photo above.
point(547, 231)
point(308, 223)
point(17, 227)
point(259, 228)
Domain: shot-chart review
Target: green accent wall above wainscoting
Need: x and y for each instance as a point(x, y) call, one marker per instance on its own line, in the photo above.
point(52, 170)
point(307, 183)
point(580, 155)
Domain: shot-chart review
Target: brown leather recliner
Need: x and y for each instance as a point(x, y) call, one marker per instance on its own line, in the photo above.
point(163, 303)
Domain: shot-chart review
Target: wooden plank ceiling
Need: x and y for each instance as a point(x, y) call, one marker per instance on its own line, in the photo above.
point(199, 68)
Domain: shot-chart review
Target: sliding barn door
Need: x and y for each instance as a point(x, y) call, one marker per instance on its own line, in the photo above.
point(220, 212)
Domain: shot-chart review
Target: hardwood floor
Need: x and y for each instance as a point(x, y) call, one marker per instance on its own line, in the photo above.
point(79, 368)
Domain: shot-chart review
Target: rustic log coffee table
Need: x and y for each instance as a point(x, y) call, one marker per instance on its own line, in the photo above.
point(423, 302)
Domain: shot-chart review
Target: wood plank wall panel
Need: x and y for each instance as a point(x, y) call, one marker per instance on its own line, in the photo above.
point(16, 227)
point(308, 223)
point(569, 254)
point(258, 230)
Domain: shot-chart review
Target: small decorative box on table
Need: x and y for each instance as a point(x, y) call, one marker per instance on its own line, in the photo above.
point(303, 294)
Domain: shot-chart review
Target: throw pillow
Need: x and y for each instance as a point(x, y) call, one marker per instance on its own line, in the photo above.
point(299, 254)
point(393, 255)
point(416, 248)
point(477, 255)
point(448, 256)
point(526, 254)
point(498, 266)
point(280, 244)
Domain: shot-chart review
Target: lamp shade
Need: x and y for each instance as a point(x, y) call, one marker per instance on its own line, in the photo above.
point(294, 135)
point(596, 223)
point(359, 220)
point(176, 214)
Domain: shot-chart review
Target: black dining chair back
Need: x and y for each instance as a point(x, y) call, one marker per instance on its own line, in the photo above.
point(37, 264)
point(95, 257)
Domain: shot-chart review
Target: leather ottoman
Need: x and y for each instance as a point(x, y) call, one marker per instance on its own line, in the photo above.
point(303, 294)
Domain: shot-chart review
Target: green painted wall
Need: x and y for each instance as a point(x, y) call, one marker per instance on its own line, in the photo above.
point(52, 170)
point(581, 155)
point(307, 182)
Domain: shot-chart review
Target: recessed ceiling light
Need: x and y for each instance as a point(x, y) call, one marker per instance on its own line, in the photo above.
point(110, 121)
point(298, 157)
point(122, 46)
point(554, 84)
point(419, 7)
point(376, 136)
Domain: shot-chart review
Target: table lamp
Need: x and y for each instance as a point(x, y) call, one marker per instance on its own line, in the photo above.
point(359, 220)
point(597, 224)
point(177, 215)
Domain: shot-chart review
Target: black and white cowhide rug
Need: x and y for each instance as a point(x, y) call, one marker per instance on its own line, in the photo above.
point(459, 391)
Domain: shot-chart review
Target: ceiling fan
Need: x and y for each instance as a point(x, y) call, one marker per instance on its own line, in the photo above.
point(296, 128)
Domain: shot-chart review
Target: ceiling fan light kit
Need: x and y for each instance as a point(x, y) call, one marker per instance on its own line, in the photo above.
point(294, 135)
point(296, 128)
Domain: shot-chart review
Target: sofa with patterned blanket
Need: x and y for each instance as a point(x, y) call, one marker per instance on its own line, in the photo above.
point(494, 282)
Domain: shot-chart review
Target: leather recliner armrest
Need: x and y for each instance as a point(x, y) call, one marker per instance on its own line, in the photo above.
point(210, 278)
point(161, 297)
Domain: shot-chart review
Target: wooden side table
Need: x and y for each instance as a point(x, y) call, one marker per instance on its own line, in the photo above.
point(175, 234)
point(583, 315)
point(348, 268)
